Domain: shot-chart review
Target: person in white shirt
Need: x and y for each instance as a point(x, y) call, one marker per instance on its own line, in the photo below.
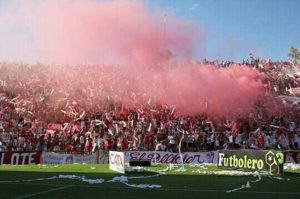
point(172, 145)
point(21, 141)
point(230, 140)
point(160, 147)
point(96, 143)
point(82, 142)
point(283, 141)
point(238, 141)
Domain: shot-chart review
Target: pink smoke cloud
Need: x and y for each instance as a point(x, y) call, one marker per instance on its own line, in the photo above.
point(153, 50)
point(198, 88)
point(92, 32)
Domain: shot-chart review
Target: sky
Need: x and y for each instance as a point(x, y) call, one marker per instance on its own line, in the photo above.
point(233, 28)
point(266, 28)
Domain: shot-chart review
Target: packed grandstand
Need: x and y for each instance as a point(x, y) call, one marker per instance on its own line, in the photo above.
point(76, 109)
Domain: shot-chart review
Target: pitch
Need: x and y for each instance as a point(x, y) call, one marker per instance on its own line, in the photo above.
point(158, 181)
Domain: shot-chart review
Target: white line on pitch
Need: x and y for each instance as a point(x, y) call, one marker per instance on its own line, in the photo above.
point(42, 192)
point(162, 189)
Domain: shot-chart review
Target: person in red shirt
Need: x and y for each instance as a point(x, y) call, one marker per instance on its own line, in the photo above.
point(261, 140)
point(150, 140)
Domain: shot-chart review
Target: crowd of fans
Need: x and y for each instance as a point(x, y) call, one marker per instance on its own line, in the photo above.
point(64, 126)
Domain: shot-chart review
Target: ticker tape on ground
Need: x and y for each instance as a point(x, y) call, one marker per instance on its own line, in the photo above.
point(73, 177)
point(203, 170)
point(29, 180)
point(247, 185)
point(122, 179)
point(291, 166)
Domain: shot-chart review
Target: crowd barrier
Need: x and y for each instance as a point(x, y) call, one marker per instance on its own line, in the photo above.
point(21, 158)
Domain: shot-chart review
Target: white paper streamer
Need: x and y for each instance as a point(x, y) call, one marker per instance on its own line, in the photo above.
point(121, 179)
point(124, 180)
point(43, 166)
point(61, 176)
point(182, 169)
point(150, 176)
point(242, 187)
point(226, 172)
point(135, 169)
point(144, 186)
point(291, 166)
point(81, 178)
point(29, 180)
point(245, 186)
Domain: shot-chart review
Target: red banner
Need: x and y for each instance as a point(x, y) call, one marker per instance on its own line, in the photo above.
point(20, 158)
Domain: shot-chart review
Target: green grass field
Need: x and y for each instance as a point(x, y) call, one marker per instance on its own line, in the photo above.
point(15, 183)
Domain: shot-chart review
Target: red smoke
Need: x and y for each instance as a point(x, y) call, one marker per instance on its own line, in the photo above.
point(149, 54)
point(115, 32)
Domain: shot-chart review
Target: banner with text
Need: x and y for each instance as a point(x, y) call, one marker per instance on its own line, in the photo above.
point(253, 160)
point(173, 158)
point(58, 158)
point(116, 161)
point(20, 158)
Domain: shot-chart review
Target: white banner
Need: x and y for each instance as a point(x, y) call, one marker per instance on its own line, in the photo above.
point(56, 158)
point(116, 161)
point(173, 158)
